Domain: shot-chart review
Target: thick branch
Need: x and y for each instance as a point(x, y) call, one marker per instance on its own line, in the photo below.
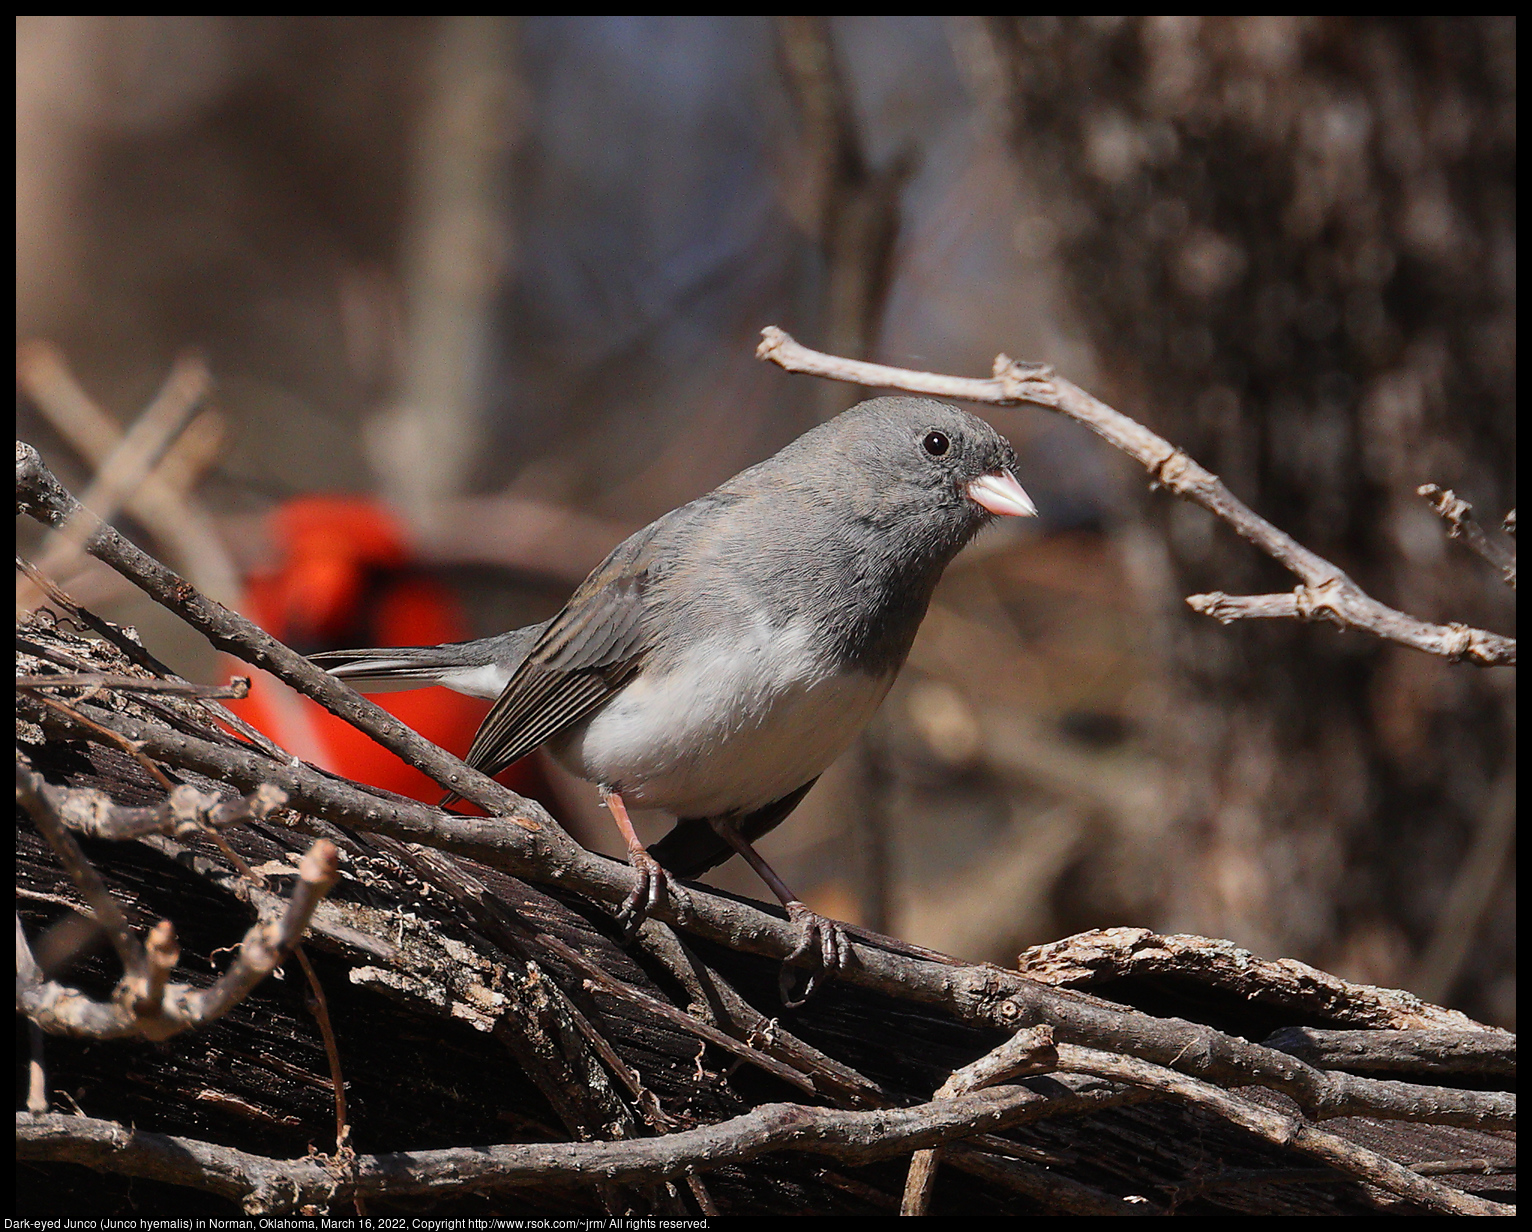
point(1117, 953)
point(1413, 1052)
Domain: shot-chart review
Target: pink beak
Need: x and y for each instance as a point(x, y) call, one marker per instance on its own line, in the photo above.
point(1002, 495)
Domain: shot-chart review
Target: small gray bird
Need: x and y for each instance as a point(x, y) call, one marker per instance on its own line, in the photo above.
point(721, 658)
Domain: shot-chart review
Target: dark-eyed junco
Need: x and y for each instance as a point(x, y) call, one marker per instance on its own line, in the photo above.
point(723, 656)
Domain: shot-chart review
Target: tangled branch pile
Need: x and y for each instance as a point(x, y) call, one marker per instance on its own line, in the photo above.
point(474, 1037)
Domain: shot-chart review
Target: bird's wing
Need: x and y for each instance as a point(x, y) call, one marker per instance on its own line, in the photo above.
point(586, 653)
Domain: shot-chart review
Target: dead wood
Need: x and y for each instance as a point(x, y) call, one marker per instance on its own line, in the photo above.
point(503, 1052)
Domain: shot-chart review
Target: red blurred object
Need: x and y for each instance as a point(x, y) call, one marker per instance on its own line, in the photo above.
point(344, 577)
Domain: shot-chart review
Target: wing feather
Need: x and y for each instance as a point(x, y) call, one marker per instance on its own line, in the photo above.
point(586, 653)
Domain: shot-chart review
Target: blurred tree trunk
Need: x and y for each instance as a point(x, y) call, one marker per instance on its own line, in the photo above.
point(1293, 241)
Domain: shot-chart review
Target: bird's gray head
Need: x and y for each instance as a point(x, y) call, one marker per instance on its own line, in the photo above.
point(870, 507)
point(915, 468)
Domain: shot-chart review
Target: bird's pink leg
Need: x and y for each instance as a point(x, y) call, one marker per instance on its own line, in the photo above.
point(653, 881)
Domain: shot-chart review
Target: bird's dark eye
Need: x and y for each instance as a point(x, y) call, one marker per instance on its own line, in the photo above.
point(936, 443)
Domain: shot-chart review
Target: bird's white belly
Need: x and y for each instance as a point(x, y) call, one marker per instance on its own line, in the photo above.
point(734, 725)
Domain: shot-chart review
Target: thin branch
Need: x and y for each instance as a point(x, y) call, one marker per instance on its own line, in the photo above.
point(133, 458)
point(238, 687)
point(1282, 1131)
point(1029, 1051)
point(184, 811)
point(135, 653)
point(1458, 514)
point(1341, 604)
point(715, 999)
point(983, 995)
point(128, 746)
point(41, 496)
point(321, 1012)
point(1326, 593)
point(146, 1005)
point(1414, 1052)
point(161, 501)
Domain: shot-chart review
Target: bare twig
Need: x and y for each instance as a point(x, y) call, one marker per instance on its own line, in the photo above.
point(1415, 1052)
point(185, 810)
point(1326, 592)
point(123, 472)
point(1283, 1131)
point(321, 1010)
point(137, 654)
point(714, 998)
point(161, 501)
point(1029, 1051)
point(237, 687)
point(127, 745)
point(1458, 514)
point(146, 1005)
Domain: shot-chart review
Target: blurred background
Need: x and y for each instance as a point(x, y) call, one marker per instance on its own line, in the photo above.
point(409, 320)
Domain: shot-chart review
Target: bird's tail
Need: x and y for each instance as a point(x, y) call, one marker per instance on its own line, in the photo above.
point(478, 668)
point(692, 846)
point(384, 669)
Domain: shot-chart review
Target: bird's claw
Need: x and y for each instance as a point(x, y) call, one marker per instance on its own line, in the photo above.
point(654, 884)
point(824, 949)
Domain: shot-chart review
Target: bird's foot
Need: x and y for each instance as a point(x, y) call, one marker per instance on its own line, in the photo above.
point(823, 950)
point(654, 884)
